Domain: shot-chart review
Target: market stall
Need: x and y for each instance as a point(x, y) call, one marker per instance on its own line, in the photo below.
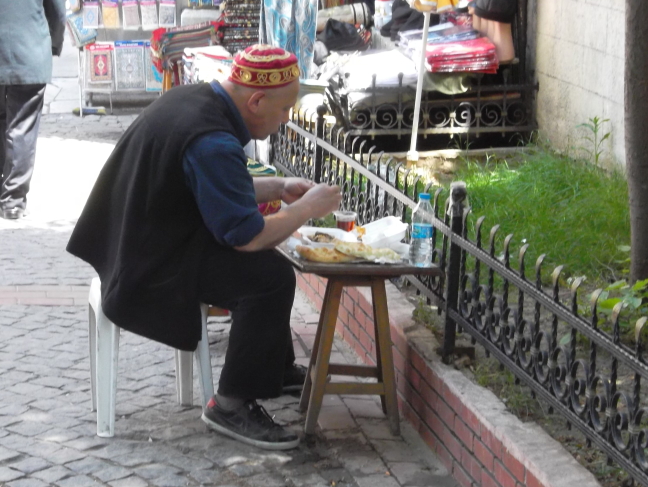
point(468, 79)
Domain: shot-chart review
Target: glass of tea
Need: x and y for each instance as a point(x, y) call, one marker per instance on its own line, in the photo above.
point(345, 220)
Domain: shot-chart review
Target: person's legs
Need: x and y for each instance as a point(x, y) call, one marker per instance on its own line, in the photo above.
point(259, 288)
point(22, 106)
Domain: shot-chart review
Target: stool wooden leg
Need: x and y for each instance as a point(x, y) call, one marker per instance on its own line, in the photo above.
point(386, 361)
point(320, 372)
point(306, 390)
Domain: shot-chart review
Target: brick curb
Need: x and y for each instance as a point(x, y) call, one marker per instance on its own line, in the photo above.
point(467, 426)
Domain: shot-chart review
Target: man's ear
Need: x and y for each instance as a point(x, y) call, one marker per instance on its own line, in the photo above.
point(254, 101)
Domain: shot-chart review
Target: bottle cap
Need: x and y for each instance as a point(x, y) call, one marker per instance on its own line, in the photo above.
point(424, 196)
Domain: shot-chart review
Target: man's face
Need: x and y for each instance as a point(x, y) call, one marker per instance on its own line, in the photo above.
point(274, 109)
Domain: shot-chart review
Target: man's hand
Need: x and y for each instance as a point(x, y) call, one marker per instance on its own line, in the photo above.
point(309, 201)
point(295, 188)
point(322, 199)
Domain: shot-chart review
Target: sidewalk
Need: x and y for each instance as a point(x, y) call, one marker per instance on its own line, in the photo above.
point(47, 431)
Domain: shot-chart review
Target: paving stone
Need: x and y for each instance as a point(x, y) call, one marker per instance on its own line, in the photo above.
point(135, 459)
point(353, 441)
point(77, 481)
point(116, 450)
point(57, 435)
point(377, 429)
point(10, 398)
point(51, 475)
point(363, 464)
point(189, 463)
point(33, 447)
point(7, 474)
point(208, 477)
point(312, 480)
point(266, 480)
point(112, 473)
point(131, 481)
point(155, 471)
point(8, 421)
point(87, 465)
point(6, 454)
point(26, 483)
point(294, 469)
point(393, 451)
point(364, 408)
point(224, 456)
point(86, 443)
point(246, 469)
point(171, 481)
point(335, 418)
point(377, 481)
point(30, 465)
point(408, 473)
point(65, 455)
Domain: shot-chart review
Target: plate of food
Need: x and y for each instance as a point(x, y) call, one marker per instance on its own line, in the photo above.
point(325, 237)
point(346, 252)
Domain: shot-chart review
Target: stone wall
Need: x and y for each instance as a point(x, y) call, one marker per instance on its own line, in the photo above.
point(577, 47)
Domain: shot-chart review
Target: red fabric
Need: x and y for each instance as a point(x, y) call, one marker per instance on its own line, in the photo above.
point(263, 66)
point(475, 55)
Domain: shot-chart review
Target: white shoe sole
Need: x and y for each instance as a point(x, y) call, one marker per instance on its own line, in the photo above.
point(266, 445)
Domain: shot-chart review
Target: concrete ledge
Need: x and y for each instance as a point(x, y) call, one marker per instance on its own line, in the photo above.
point(466, 425)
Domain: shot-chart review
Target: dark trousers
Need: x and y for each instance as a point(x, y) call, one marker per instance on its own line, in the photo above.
point(20, 111)
point(259, 289)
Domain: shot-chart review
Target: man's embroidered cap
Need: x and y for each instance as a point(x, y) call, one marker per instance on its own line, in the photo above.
point(262, 66)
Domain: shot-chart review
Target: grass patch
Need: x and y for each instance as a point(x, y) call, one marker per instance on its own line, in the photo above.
point(572, 211)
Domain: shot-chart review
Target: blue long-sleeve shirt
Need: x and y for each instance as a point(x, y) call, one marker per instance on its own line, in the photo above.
point(215, 167)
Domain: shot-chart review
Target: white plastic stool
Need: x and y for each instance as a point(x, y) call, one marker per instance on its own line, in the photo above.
point(103, 337)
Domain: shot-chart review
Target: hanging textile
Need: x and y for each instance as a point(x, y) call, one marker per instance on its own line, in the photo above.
point(290, 24)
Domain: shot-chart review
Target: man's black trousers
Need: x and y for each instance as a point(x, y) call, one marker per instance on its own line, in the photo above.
point(259, 289)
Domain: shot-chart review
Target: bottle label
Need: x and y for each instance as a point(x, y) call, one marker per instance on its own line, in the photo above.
point(421, 231)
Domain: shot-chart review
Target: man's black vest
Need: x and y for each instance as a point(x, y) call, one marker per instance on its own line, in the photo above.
point(141, 228)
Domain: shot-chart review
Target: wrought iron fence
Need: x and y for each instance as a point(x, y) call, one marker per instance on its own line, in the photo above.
point(504, 107)
point(575, 362)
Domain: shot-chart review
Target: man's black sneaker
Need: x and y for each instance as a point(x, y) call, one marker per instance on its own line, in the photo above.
point(250, 424)
point(294, 378)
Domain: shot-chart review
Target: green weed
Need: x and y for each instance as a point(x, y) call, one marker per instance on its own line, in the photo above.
point(575, 213)
point(595, 137)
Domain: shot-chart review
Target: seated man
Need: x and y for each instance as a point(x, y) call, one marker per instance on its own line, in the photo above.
point(173, 221)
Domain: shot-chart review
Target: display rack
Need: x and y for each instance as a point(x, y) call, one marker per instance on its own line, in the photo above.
point(122, 37)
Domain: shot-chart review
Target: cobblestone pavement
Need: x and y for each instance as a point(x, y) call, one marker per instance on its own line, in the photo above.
point(47, 430)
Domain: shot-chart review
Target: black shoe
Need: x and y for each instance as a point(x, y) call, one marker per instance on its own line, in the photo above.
point(13, 213)
point(294, 378)
point(250, 424)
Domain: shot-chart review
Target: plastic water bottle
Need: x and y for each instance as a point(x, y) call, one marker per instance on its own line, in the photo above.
point(421, 235)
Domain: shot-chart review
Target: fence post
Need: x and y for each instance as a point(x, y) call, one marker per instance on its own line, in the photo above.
point(455, 211)
point(319, 153)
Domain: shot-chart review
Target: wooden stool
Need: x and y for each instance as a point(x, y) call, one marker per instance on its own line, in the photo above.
point(318, 381)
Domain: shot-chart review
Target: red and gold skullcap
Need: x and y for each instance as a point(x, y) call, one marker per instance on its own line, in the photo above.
point(262, 66)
